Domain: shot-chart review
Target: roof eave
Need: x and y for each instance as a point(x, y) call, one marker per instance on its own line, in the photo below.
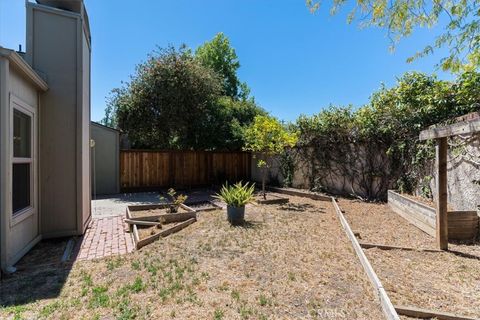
point(17, 61)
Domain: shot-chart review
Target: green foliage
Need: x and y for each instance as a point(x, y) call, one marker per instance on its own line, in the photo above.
point(218, 55)
point(176, 101)
point(376, 147)
point(287, 168)
point(268, 136)
point(177, 200)
point(237, 195)
point(228, 118)
point(164, 104)
point(459, 19)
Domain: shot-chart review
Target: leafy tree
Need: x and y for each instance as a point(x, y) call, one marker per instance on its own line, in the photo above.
point(268, 136)
point(175, 102)
point(167, 101)
point(227, 121)
point(460, 20)
point(219, 56)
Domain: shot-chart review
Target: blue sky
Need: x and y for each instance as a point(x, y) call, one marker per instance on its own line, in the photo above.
point(293, 61)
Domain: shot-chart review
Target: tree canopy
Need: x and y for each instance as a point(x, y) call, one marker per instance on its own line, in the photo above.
point(177, 100)
point(219, 56)
point(459, 18)
point(165, 102)
point(266, 135)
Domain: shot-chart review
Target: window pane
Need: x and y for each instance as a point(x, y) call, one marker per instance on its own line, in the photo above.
point(21, 134)
point(20, 186)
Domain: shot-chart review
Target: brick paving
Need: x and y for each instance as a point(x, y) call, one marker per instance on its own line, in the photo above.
point(105, 237)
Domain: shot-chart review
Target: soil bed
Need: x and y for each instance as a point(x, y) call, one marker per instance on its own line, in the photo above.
point(289, 261)
point(443, 281)
point(154, 212)
point(145, 232)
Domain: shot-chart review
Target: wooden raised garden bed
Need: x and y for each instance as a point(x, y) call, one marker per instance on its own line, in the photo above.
point(462, 225)
point(149, 223)
point(271, 199)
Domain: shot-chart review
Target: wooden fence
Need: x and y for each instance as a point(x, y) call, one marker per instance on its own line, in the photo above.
point(148, 169)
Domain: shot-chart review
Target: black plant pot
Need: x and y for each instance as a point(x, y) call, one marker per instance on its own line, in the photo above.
point(236, 215)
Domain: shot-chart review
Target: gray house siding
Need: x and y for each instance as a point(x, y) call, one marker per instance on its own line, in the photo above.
point(58, 47)
point(105, 160)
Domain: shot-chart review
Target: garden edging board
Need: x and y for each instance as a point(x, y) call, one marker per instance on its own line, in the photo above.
point(418, 214)
point(462, 225)
point(299, 193)
point(387, 306)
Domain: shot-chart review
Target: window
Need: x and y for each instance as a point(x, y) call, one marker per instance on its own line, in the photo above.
point(22, 160)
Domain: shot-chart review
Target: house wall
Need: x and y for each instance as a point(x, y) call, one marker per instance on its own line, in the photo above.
point(57, 49)
point(22, 232)
point(84, 133)
point(105, 160)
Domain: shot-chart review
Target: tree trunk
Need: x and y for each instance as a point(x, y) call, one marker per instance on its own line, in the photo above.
point(264, 178)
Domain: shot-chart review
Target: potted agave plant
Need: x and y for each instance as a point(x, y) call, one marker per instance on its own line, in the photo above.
point(236, 197)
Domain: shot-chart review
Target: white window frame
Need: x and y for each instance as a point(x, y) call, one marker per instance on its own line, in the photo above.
point(19, 105)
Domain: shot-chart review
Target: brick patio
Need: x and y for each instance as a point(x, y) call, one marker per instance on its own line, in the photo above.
point(105, 237)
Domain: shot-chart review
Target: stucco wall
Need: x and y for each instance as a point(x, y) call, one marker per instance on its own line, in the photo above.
point(105, 160)
point(340, 179)
point(463, 170)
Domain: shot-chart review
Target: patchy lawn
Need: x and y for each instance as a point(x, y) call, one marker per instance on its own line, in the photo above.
point(289, 262)
point(444, 281)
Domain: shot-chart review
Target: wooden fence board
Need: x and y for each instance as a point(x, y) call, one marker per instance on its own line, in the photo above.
point(149, 169)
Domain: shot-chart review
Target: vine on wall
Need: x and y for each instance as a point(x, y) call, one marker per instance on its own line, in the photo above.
point(366, 151)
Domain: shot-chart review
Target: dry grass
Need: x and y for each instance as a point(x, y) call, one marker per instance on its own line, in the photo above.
point(289, 262)
point(441, 281)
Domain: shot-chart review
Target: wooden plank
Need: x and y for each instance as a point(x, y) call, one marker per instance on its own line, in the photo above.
point(164, 233)
point(387, 306)
point(415, 312)
point(412, 218)
point(141, 223)
point(464, 127)
point(366, 245)
point(300, 193)
point(442, 205)
point(165, 217)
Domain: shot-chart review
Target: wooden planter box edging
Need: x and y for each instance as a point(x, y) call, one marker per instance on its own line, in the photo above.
point(462, 225)
point(166, 217)
point(185, 219)
point(139, 243)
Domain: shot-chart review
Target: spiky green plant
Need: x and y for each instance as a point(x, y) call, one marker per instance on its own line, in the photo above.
point(236, 195)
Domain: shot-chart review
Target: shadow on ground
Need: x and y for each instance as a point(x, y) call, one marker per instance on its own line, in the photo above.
point(300, 207)
point(40, 274)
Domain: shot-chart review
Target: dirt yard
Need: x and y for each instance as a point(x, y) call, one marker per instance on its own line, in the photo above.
point(448, 282)
point(289, 261)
